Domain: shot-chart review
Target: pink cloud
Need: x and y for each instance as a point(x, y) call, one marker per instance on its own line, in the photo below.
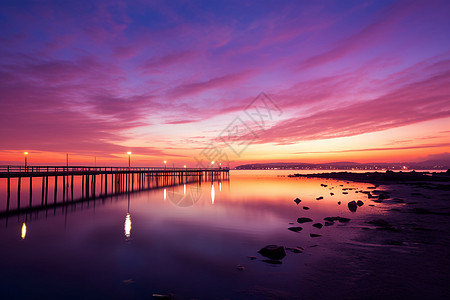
point(190, 89)
point(411, 103)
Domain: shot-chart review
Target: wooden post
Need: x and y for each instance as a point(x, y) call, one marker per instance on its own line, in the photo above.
point(46, 190)
point(43, 185)
point(9, 193)
point(94, 178)
point(82, 186)
point(64, 188)
point(31, 190)
point(71, 189)
point(18, 192)
point(106, 183)
point(87, 185)
point(9, 188)
point(56, 189)
point(132, 181)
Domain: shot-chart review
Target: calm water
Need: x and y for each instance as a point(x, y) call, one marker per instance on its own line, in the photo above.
point(185, 240)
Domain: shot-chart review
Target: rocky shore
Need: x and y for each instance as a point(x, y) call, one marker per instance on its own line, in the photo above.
point(402, 254)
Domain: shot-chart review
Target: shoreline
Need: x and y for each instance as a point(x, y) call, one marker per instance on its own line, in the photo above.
point(401, 254)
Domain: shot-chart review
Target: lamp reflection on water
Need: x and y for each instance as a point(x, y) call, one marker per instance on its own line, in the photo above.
point(185, 189)
point(24, 230)
point(165, 194)
point(127, 226)
point(220, 186)
point(213, 194)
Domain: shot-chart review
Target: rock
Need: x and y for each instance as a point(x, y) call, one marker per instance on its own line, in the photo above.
point(240, 267)
point(318, 225)
point(359, 203)
point(164, 297)
point(291, 223)
point(324, 185)
point(297, 201)
point(305, 207)
point(352, 206)
point(252, 257)
point(394, 243)
point(319, 198)
point(273, 252)
point(371, 205)
point(297, 249)
point(331, 194)
point(272, 261)
point(295, 229)
point(340, 219)
point(304, 220)
point(314, 235)
point(398, 200)
point(382, 224)
point(339, 202)
point(328, 223)
point(345, 193)
point(383, 196)
point(344, 220)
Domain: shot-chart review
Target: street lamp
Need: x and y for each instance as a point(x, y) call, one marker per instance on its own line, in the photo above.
point(26, 159)
point(212, 164)
point(165, 164)
point(129, 159)
point(185, 166)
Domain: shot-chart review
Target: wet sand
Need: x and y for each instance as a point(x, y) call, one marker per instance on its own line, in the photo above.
point(401, 254)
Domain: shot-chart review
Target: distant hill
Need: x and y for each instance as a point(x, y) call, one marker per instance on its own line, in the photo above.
point(424, 165)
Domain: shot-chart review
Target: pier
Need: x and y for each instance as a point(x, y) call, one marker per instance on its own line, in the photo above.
point(53, 186)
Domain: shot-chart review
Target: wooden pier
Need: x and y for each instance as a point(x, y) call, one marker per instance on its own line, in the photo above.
point(93, 182)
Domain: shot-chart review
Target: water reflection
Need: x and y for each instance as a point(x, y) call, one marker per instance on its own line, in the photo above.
point(127, 226)
point(24, 230)
point(255, 212)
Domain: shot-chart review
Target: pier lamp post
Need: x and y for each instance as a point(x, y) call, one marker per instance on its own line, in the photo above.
point(220, 165)
point(165, 164)
point(26, 159)
point(185, 166)
point(212, 164)
point(129, 159)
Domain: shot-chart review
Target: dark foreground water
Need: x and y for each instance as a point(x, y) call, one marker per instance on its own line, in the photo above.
point(187, 240)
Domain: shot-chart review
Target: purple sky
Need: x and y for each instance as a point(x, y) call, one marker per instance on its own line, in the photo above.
point(353, 80)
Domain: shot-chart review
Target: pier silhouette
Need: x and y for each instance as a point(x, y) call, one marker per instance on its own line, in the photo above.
point(79, 184)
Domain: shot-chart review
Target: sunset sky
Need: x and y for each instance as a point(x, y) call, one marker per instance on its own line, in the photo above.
point(364, 81)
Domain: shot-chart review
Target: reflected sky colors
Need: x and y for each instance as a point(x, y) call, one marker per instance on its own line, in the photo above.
point(356, 80)
point(167, 240)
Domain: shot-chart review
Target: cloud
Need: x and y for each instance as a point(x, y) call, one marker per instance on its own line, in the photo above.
point(411, 103)
point(423, 146)
point(169, 60)
point(194, 88)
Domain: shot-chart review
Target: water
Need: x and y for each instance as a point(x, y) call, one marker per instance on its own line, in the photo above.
point(186, 240)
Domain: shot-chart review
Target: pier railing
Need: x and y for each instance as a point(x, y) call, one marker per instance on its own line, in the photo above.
point(5, 170)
